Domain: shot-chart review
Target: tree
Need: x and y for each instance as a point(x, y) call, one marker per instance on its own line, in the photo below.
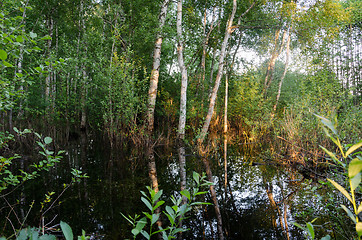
point(152, 92)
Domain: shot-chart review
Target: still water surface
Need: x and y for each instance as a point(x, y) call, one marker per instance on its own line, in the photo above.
point(260, 200)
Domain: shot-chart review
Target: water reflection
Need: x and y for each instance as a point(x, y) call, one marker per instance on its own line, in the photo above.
point(257, 201)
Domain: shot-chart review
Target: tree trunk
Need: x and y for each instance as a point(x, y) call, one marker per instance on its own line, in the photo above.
point(214, 198)
point(278, 47)
point(152, 92)
point(49, 44)
point(210, 112)
point(284, 72)
point(84, 76)
point(183, 70)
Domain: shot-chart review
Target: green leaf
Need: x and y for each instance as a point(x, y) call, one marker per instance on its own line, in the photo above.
point(127, 218)
point(310, 230)
point(359, 229)
point(332, 156)
point(159, 203)
point(46, 38)
point(3, 55)
point(354, 167)
point(349, 213)
point(155, 218)
point(139, 226)
point(354, 148)
point(34, 235)
point(47, 237)
point(149, 216)
point(157, 196)
point(7, 64)
point(147, 203)
point(33, 35)
point(48, 140)
point(299, 226)
point(326, 237)
point(169, 210)
point(177, 230)
point(186, 193)
point(145, 234)
point(143, 193)
point(201, 193)
point(20, 39)
point(161, 230)
point(19, 75)
point(355, 181)
point(341, 189)
point(23, 235)
point(359, 208)
point(200, 203)
point(328, 123)
point(67, 231)
point(196, 177)
point(135, 232)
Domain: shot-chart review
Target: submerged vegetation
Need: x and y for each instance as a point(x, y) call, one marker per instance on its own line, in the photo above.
point(189, 74)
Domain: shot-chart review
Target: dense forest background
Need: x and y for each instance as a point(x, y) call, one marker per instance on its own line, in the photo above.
point(71, 65)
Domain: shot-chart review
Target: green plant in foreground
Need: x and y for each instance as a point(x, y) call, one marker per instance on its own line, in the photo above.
point(12, 178)
point(175, 213)
point(354, 170)
point(35, 234)
point(309, 230)
point(353, 167)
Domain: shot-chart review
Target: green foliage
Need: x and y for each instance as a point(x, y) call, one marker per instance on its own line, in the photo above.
point(248, 107)
point(31, 233)
point(124, 101)
point(9, 177)
point(175, 213)
point(309, 232)
point(353, 169)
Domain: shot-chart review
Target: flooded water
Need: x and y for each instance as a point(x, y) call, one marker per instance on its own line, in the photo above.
point(259, 200)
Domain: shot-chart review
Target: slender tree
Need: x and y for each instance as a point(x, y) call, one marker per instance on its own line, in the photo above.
point(152, 92)
point(183, 70)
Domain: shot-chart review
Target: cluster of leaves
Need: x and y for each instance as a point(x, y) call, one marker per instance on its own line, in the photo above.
point(10, 178)
point(35, 234)
point(175, 213)
point(351, 162)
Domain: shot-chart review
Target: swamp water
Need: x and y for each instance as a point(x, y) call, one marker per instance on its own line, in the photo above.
point(260, 200)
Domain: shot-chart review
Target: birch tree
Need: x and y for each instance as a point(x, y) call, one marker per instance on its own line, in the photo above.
point(183, 70)
point(228, 31)
point(152, 92)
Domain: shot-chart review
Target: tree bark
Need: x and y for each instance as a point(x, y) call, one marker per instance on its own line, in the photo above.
point(49, 44)
point(284, 72)
point(210, 112)
point(278, 47)
point(152, 92)
point(183, 70)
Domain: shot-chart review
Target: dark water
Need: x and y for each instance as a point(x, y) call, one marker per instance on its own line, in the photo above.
point(260, 202)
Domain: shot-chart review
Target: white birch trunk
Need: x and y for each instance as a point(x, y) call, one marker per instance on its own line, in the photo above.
point(284, 73)
point(152, 92)
point(228, 32)
point(183, 70)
